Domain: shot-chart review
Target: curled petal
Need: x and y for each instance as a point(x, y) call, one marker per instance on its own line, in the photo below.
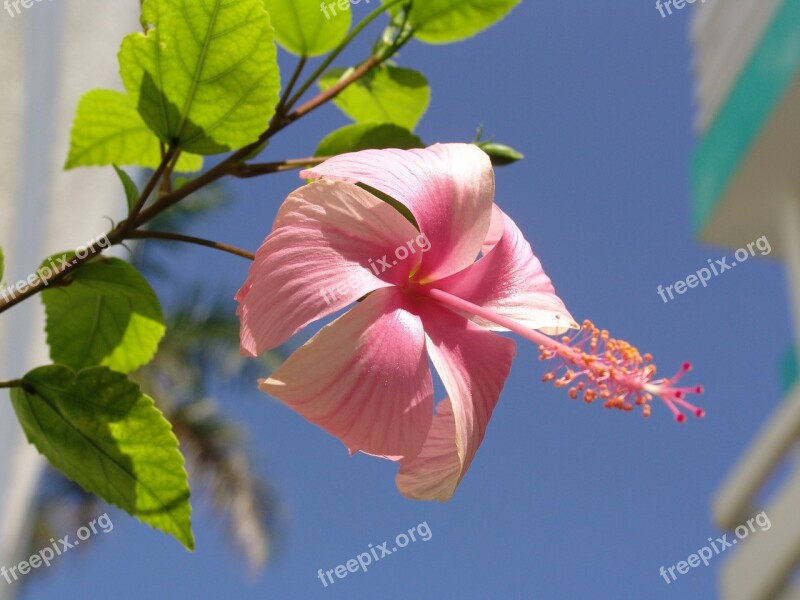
point(510, 281)
point(434, 473)
point(497, 226)
point(364, 378)
point(473, 364)
point(332, 243)
point(449, 189)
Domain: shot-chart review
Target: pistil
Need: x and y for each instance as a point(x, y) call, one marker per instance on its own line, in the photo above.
point(593, 365)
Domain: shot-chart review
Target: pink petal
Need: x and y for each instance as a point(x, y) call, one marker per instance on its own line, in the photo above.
point(364, 378)
point(473, 364)
point(449, 188)
point(510, 281)
point(323, 254)
point(497, 226)
point(435, 472)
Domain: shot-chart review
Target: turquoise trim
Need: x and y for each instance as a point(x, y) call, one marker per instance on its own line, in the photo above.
point(767, 76)
point(789, 370)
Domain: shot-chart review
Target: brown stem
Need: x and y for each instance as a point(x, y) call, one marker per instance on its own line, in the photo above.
point(188, 239)
point(244, 170)
point(283, 104)
point(166, 178)
point(59, 272)
point(166, 161)
point(334, 90)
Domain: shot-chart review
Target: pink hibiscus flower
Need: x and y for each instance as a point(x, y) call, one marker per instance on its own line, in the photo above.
point(364, 378)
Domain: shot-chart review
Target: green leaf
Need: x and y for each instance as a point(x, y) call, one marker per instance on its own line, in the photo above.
point(2, 265)
point(131, 191)
point(108, 315)
point(365, 136)
point(386, 94)
point(205, 74)
point(500, 154)
point(308, 27)
point(446, 21)
point(108, 130)
point(103, 433)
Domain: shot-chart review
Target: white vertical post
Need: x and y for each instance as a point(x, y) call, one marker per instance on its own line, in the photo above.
point(790, 223)
point(52, 53)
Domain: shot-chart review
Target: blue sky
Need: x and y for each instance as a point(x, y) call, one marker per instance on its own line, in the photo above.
point(563, 500)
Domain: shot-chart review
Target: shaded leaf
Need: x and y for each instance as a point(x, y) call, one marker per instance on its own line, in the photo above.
point(102, 432)
point(365, 136)
point(131, 191)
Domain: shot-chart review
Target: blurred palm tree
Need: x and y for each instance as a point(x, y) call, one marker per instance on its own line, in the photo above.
point(198, 356)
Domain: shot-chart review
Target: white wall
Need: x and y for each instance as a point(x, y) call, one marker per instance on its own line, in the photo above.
point(51, 53)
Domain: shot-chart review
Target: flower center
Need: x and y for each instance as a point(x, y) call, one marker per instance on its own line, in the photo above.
point(414, 288)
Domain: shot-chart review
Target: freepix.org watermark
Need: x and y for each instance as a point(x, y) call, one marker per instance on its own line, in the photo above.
point(668, 5)
point(721, 544)
point(715, 267)
point(46, 555)
point(8, 4)
point(329, 8)
point(46, 271)
point(379, 266)
point(374, 554)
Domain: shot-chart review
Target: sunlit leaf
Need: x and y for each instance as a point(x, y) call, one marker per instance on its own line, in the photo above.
point(108, 315)
point(308, 27)
point(204, 75)
point(500, 154)
point(386, 94)
point(109, 131)
point(445, 21)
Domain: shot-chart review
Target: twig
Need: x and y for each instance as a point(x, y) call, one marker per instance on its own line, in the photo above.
point(188, 239)
point(148, 189)
point(244, 170)
point(282, 105)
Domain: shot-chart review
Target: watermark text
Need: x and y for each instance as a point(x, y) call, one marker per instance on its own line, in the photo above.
point(668, 5)
point(46, 555)
point(329, 8)
point(56, 264)
point(375, 553)
point(717, 267)
point(379, 266)
point(15, 4)
point(721, 544)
